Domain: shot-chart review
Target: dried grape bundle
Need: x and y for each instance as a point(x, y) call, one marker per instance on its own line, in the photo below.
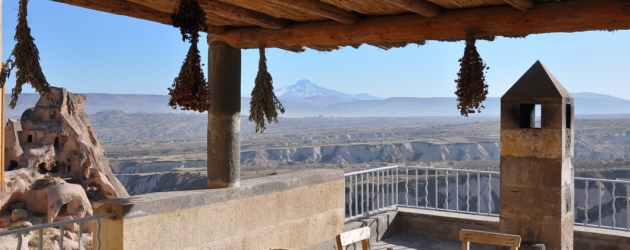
point(471, 83)
point(190, 89)
point(25, 56)
point(264, 102)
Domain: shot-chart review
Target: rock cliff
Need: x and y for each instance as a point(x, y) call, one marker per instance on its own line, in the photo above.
point(54, 163)
point(392, 153)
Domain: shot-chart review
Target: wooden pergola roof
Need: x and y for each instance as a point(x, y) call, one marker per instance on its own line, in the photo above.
point(327, 24)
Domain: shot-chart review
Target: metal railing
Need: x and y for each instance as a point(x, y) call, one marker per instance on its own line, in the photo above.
point(601, 203)
point(444, 189)
point(452, 190)
point(60, 224)
point(371, 191)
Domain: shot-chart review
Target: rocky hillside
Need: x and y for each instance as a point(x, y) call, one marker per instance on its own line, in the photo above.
point(392, 153)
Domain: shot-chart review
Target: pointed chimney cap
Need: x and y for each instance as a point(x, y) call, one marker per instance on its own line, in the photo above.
point(537, 85)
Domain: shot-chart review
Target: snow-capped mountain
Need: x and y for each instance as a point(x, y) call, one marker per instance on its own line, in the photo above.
point(305, 88)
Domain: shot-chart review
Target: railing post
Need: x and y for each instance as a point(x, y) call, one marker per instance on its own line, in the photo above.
point(456, 191)
point(406, 187)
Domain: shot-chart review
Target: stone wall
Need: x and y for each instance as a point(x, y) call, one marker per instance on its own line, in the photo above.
point(443, 225)
point(296, 211)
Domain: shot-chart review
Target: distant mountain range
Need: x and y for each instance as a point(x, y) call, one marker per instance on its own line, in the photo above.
point(305, 98)
point(304, 88)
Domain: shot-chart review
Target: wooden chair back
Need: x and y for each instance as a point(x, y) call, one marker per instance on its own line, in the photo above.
point(497, 239)
point(347, 238)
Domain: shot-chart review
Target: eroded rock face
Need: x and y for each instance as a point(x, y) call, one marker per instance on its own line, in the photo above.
point(56, 137)
point(55, 164)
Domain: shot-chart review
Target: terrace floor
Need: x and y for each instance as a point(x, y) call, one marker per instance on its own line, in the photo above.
point(403, 241)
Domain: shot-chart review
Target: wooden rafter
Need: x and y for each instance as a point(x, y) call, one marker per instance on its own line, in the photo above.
point(544, 17)
point(245, 15)
point(125, 8)
point(523, 5)
point(122, 7)
point(421, 7)
point(322, 9)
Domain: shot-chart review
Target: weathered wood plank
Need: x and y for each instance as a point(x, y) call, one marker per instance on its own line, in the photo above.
point(544, 17)
point(130, 9)
point(168, 6)
point(353, 236)
point(496, 239)
point(122, 7)
point(523, 5)
point(421, 7)
point(245, 15)
point(322, 9)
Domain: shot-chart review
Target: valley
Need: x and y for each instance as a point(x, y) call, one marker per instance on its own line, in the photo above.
point(168, 151)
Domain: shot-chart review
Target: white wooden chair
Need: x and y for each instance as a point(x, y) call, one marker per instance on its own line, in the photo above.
point(497, 239)
point(347, 238)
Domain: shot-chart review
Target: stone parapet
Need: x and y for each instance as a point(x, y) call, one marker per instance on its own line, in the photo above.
point(296, 210)
point(442, 225)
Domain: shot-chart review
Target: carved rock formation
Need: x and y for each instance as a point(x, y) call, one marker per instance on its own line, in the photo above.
point(55, 164)
point(57, 138)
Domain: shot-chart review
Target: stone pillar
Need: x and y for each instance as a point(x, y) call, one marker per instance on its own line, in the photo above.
point(224, 116)
point(537, 161)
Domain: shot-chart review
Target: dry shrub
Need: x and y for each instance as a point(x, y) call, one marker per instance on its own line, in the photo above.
point(47, 242)
point(45, 182)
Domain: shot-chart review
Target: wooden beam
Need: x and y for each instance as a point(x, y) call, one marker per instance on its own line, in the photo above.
point(322, 9)
point(122, 7)
point(544, 17)
point(523, 5)
point(421, 7)
point(245, 15)
point(125, 8)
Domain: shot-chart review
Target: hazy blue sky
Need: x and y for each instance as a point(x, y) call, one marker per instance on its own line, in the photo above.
point(93, 52)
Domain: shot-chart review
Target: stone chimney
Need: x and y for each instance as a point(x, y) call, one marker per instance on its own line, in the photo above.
point(537, 160)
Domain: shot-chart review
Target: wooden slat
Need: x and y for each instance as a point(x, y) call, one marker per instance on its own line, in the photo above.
point(168, 6)
point(245, 15)
point(269, 7)
point(353, 236)
point(497, 239)
point(544, 17)
point(459, 4)
point(523, 5)
point(126, 8)
point(421, 7)
point(322, 9)
point(122, 7)
point(367, 7)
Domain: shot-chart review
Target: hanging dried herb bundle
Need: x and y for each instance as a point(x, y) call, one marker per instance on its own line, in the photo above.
point(264, 102)
point(190, 88)
point(471, 83)
point(25, 57)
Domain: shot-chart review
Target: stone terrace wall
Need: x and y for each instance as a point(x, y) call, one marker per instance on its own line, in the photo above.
point(443, 225)
point(296, 211)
